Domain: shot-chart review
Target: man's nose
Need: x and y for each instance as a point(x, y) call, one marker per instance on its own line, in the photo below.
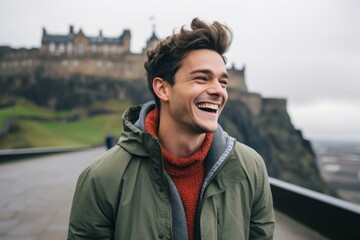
point(217, 88)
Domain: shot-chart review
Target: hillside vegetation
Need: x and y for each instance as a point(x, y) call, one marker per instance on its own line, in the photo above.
point(25, 124)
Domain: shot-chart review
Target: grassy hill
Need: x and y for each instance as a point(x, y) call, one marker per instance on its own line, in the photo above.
point(24, 124)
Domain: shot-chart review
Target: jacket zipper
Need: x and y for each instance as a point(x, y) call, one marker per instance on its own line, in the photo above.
point(201, 199)
point(214, 174)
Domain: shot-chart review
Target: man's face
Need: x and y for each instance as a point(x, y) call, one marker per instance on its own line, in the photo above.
point(199, 93)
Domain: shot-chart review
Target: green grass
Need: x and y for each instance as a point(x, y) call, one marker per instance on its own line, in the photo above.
point(24, 108)
point(87, 131)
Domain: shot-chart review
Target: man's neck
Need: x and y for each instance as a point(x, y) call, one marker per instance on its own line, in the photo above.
point(179, 142)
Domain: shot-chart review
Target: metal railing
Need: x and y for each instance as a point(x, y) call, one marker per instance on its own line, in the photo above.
point(333, 218)
point(22, 153)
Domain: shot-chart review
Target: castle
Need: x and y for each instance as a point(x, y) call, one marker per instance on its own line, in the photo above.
point(62, 55)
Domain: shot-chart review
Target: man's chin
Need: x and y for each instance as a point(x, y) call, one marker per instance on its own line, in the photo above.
point(211, 129)
point(206, 127)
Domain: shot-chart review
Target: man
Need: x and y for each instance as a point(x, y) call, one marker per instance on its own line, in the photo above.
point(175, 174)
point(109, 141)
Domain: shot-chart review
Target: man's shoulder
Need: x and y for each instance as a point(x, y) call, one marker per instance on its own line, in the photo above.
point(111, 164)
point(248, 157)
point(243, 149)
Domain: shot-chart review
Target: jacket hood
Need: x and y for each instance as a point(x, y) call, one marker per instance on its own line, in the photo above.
point(134, 138)
point(138, 142)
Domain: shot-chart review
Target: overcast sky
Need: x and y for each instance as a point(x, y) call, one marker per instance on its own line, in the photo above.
point(307, 51)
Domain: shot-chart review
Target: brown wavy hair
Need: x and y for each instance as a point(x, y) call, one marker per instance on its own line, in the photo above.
point(165, 59)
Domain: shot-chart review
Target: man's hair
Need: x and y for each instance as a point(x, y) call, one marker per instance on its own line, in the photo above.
point(165, 59)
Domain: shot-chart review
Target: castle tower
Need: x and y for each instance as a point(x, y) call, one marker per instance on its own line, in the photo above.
point(152, 41)
point(125, 39)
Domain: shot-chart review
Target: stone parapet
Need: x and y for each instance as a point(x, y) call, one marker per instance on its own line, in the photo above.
point(253, 101)
point(274, 104)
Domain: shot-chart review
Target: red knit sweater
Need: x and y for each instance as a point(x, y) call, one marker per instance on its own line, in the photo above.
point(187, 173)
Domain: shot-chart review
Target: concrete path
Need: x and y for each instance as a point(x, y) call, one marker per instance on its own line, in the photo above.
point(36, 197)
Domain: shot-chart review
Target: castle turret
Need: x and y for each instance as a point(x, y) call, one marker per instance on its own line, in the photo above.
point(125, 39)
point(43, 47)
point(152, 41)
point(71, 34)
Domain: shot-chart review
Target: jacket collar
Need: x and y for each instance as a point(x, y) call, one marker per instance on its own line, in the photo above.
point(138, 142)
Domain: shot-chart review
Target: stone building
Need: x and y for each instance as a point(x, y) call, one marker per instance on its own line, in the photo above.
point(75, 52)
point(62, 55)
point(80, 45)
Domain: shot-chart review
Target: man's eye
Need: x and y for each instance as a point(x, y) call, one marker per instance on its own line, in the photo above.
point(224, 83)
point(201, 77)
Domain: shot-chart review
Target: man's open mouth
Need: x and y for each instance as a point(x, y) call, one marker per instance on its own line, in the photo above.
point(208, 107)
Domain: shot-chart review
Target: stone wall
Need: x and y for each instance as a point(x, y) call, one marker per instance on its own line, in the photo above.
point(274, 104)
point(237, 79)
point(128, 66)
point(253, 102)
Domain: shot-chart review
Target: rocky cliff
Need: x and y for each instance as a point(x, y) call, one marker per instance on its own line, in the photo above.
point(288, 156)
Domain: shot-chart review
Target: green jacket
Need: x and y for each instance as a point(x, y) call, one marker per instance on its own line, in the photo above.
point(126, 195)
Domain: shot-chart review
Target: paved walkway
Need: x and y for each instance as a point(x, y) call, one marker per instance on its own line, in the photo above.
point(36, 197)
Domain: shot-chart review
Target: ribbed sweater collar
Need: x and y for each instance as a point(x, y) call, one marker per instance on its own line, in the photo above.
point(191, 163)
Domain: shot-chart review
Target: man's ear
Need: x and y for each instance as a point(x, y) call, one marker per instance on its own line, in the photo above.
point(160, 87)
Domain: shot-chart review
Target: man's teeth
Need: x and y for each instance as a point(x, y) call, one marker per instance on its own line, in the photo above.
point(208, 106)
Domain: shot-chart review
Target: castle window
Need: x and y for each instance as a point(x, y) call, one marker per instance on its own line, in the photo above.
point(99, 63)
point(93, 48)
point(76, 63)
point(80, 49)
point(69, 49)
point(61, 47)
point(109, 64)
point(113, 49)
point(65, 63)
point(52, 47)
point(105, 49)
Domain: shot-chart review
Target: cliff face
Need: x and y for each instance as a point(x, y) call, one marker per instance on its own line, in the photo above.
point(288, 156)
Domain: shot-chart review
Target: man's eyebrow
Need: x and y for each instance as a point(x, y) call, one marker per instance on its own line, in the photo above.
point(208, 72)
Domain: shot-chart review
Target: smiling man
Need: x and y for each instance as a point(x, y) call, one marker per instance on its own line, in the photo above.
point(175, 174)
